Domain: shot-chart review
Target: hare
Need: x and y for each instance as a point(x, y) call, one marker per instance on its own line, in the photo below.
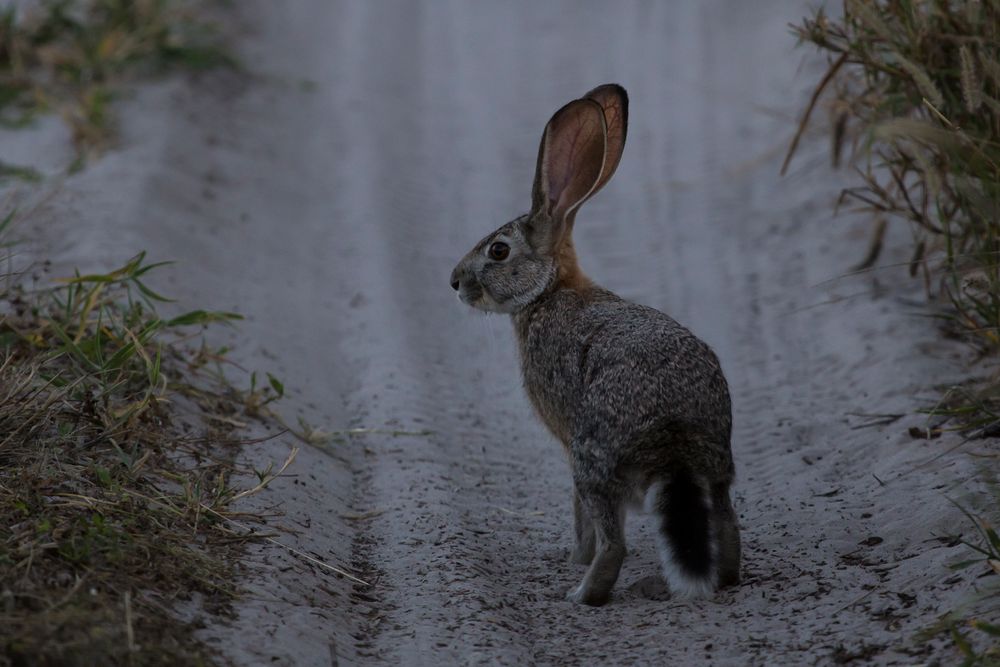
point(638, 402)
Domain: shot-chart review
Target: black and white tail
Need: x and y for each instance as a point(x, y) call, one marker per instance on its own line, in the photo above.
point(697, 535)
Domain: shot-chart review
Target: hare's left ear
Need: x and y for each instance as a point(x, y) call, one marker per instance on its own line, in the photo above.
point(614, 102)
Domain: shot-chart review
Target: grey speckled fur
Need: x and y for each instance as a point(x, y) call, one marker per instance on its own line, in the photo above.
point(639, 403)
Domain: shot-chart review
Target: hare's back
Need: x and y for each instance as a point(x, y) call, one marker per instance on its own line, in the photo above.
point(642, 367)
point(596, 364)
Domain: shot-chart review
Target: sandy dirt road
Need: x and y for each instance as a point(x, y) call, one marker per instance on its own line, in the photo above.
point(328, 193)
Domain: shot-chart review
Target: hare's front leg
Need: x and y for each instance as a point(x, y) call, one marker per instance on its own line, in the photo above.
point(583, 527)
point(608, 523)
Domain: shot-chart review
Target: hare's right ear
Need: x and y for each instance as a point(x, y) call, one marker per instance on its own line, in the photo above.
point(570, 162)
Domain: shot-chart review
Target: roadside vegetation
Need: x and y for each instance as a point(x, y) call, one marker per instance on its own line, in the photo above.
point(914, 91)
point(118, 428)
point(117, 439)
point(72, 57)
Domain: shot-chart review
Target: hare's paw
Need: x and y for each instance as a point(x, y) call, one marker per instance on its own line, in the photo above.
point(584, 594)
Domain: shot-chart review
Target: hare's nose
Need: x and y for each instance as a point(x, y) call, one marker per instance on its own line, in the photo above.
point(454, 284)
point(456, 280)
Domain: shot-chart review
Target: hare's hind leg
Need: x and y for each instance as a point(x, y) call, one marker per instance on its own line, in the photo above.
point(583, 528)
point(727, 534)
point(607, 514)
point(684, 536)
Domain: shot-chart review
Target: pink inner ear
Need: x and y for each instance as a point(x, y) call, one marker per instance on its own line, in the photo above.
point(575, 146)
point(563, 157)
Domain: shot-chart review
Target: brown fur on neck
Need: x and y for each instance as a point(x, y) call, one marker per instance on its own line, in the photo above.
point(569, 275)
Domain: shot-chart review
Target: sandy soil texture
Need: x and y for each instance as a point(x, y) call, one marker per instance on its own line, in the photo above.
point(328, 193)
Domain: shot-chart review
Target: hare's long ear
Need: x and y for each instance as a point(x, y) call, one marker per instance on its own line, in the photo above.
point(614, 102)
point(570, 162)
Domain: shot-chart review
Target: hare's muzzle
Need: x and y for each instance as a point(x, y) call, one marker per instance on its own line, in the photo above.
point(464, 282)
point(459, 275)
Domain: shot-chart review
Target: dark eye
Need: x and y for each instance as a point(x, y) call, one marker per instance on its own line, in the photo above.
point(498, 251)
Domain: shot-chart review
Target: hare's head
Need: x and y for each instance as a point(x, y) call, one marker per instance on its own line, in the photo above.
point(580, 150)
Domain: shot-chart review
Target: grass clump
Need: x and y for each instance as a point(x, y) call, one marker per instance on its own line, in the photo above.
point(70, 56)
point(116, 452)
point(917, 95)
